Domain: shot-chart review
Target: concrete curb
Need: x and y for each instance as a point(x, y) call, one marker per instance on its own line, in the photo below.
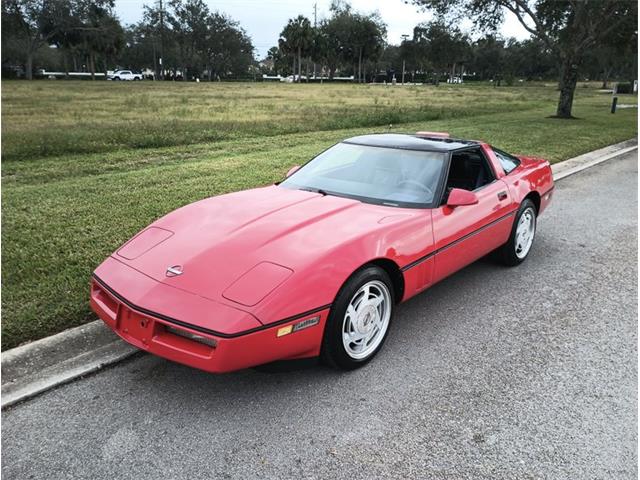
point(52, 361)
point(45, 364)
point(591, 159)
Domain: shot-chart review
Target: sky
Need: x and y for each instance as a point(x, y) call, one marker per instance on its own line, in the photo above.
point(263, 20)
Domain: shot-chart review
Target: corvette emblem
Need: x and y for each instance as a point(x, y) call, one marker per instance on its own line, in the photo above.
point(174, 271)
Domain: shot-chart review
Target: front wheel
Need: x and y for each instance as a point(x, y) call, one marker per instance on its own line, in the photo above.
point(516, 250)
point(359, 319)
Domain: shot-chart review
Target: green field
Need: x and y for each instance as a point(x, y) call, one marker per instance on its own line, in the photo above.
point(86, 165)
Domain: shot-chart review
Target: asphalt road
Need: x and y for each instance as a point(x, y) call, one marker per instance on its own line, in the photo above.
point(494, 373)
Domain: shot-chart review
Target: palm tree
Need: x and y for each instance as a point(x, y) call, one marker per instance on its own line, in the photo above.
point(274, 55)
point(296, 38)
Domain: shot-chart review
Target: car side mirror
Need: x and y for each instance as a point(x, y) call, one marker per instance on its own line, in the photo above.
point(459, 197)
point(293, 170)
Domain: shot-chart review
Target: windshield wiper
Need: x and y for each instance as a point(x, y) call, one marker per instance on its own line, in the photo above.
point(314, 190)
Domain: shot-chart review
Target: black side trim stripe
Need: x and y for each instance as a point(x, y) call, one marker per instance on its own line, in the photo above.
point(448, 245)
point(418, 261)
point(144, 311)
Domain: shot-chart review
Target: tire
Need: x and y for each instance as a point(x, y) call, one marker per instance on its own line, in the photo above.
point(116, 79)
point(356, 318)
point(517, 249)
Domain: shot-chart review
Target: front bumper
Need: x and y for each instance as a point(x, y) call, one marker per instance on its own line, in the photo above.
point(195, 346)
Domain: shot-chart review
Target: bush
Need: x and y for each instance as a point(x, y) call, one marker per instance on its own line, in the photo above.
point(624, 87)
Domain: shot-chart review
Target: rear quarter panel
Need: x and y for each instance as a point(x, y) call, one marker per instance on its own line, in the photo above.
point(532, 175)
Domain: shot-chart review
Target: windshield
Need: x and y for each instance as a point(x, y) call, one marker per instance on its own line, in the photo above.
point(387, 175)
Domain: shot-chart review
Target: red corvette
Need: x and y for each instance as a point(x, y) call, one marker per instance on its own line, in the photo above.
point(315, 265)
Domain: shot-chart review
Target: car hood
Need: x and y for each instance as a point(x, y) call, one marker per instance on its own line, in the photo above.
point(241, 246)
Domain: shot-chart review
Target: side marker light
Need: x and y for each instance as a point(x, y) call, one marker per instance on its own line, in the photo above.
point(309, 322)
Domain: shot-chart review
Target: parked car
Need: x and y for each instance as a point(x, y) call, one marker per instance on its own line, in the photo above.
point(316, 264)
point(293, 78)
point(126, 75)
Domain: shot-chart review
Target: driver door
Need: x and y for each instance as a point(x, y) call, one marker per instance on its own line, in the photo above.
point(466, 233)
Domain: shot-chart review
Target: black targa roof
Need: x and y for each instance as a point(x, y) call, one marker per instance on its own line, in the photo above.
point(410, 142)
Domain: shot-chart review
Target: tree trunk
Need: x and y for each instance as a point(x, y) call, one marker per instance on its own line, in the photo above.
point(28, 68)
point(65, 59)
point(605, 77)
point(156, 72)
point(92, 65)
point(568, 82)
point(360, 65)
point(299, 63)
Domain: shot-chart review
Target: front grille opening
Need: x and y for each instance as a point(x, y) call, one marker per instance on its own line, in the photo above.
point(194, 337)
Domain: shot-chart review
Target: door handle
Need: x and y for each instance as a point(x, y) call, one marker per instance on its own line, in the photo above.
point(502, 195)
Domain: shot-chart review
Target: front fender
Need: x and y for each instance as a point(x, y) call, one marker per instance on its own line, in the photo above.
point(317, 283)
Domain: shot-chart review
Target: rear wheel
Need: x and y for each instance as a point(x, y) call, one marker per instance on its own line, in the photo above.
point(516, 250)
point(359, 319)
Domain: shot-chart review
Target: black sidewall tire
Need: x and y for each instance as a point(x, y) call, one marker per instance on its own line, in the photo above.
point(333, 352)
point(508, 250)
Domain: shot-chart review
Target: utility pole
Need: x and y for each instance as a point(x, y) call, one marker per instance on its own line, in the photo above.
point(161, 40)
point(315, 25)
point(155, 61)
point(404, 39)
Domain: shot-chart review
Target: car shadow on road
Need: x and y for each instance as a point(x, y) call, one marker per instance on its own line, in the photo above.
point(422, 318)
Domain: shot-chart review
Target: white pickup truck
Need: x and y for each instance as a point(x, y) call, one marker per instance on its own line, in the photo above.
point(125, 75)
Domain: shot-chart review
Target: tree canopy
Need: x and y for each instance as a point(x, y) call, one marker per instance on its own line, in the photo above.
point(185, 39)
point(296, 40)
point(184, 36)
point(345, 38)
point(569, 28)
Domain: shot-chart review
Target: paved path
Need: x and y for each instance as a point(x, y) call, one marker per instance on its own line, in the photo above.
point(503, 373)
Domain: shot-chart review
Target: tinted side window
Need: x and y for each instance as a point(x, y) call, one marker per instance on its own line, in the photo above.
point(469, 170)
point(508, 162)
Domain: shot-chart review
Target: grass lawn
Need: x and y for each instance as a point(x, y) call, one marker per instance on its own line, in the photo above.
point(86, 165)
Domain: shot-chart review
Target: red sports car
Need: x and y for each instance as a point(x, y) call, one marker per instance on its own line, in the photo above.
point(315, 265)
